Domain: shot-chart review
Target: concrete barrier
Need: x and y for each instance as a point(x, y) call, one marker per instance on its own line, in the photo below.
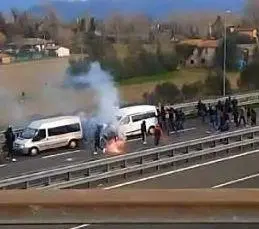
point(129, 206)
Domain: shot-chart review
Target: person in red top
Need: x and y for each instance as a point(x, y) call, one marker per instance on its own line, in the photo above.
point(157, 134)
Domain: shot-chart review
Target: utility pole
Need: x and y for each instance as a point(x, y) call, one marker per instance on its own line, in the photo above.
point(225, 51)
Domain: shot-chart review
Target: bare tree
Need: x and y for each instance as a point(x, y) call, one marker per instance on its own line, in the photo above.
point(251, 12)
point(117, 26)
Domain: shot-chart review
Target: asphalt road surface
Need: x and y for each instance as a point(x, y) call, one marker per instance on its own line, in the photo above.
point(59, 158)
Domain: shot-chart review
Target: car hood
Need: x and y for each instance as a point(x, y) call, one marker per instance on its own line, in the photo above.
point(21, 141)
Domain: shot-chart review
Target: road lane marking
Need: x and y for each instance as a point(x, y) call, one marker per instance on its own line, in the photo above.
point(182, 169)
point(173, 132)
point(61, 154)
point(236, 181)
point(3, 165)
point(80, 226)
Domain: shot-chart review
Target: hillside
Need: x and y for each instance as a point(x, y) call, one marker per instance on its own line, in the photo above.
point(69, 10)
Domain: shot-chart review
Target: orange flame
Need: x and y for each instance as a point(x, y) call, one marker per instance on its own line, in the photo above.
point(115, 146)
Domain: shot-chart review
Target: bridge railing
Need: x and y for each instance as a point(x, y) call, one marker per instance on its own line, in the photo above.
point(119, 167)
point(129, 206)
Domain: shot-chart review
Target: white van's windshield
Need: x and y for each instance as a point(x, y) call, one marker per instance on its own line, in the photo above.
point(28, 133)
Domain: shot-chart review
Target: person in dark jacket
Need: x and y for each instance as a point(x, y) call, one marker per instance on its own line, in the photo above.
point(9, 140)
point(157, 135)
point(253, 117)
point(97, 138)
point(143, 129)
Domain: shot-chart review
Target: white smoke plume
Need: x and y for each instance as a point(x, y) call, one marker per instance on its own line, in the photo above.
point(106, 96)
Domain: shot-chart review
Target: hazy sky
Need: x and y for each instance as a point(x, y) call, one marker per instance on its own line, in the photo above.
point(24, 4)
point(7, 4)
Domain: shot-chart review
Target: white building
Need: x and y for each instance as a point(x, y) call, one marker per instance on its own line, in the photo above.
point(62, 52)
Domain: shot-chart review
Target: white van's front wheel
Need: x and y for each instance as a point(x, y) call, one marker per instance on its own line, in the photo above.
point(34, 151)
point(72, 144)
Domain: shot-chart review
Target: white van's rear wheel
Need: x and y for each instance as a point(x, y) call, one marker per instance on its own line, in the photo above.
point(72, 144)
point(34, 151)
point(151, 130)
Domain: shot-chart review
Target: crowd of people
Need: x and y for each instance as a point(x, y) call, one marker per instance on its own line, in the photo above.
point(168, 120)
point(220, 116)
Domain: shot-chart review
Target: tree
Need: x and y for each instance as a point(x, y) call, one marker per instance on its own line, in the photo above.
point(218, 28)
point(213, 84)
point(191, 91)
point(231, 54)
point(249, 77)
point(2, 24)
point(251, 12)
point(167, 93)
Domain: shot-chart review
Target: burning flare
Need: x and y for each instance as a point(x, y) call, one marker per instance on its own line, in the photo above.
point(115, 146)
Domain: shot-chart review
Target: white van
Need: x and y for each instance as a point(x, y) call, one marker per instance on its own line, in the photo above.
point(130, 119)
point(49, 133)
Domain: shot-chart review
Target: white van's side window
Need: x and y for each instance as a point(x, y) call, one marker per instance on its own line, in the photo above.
point(125, 121)
point(41, 134)
point(137, 118)
point(63, 129)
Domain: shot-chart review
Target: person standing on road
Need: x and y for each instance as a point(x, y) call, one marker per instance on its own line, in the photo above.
point(97, 136)
point(167, 122)
point(10, 138)
point(253, 117)
point(235, 114)
point(157, 135)
point(143, 129)
point(248, 115)
point(242, 116)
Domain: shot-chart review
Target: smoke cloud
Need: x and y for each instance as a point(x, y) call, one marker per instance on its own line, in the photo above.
point(106, 97)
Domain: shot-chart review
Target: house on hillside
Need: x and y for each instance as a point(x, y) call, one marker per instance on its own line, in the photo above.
point(58, 51)
point(5, 58)
point(203, 53)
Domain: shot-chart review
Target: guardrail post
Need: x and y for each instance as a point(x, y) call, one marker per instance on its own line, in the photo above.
point(125, 166)
point(49, 181)
point(107, 170)
point(157, 158)
point(187, 149)
point(141, 162)
point(26, 184)
point(87, 172)
point(172, 152)
point(68, 176)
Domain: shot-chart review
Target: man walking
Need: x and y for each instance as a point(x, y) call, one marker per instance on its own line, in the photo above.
point(157, 135)
point(144, 132)
point(10, 138)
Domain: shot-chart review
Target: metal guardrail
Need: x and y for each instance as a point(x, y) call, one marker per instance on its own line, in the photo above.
point(129, 206)
point(190, 108)
point(120, 166)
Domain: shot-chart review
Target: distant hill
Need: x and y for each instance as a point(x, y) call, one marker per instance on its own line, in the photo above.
point(69, 10)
